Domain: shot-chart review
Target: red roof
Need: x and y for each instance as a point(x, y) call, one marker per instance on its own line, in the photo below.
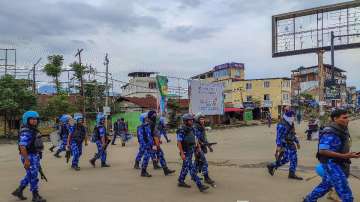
point(149, 102)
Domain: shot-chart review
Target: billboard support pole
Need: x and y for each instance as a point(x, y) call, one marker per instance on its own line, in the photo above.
point(320, 54)
point(332, 57)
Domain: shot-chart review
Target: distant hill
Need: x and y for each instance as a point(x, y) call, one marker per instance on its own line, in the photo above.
point(47, 89)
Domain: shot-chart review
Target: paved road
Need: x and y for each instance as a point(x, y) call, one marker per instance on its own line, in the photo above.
point(238, 166)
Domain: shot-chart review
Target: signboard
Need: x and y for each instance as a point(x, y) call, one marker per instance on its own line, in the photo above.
point(308, 31)
point(228, 65)
point(267, 103)
point(249, 105)
point(332, 92)
point(162, 83)
point(207, 98)
point(106, 111)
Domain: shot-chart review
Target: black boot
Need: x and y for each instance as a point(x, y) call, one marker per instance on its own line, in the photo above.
point(208, 180)
point(293, 176)
point(156, 165)
point(57, 154)
point(37, 197)
point(167, 171)
point(51, 149)
point(104, 165)
point(183, 184)
point(77, 168)
point(202, 188)
point(92, 162)
point(137, 165)
point(19, 193)
point(271, 169)
point(144, 173)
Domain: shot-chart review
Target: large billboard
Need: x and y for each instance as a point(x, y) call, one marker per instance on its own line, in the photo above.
point(308, 31)
point(207, 98)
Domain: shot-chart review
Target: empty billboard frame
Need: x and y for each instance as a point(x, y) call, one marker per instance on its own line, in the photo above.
point(308, 31)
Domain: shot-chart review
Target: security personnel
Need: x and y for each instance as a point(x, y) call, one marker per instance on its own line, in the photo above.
point(142, 144)
point(119, 130)
point(162, 129)
point(287, 144)
point(146, 142)
point(334, 155)
point(76, 138)
point(157, 151)
point(64, 133)
point(56, 127)
point(187, 145)
point(30, 147)
point(100, 138)
point(201, 163)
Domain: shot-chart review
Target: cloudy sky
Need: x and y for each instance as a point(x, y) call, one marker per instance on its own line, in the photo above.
point(175, 37)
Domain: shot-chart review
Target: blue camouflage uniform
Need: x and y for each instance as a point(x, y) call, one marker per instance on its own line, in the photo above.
point(27, 138)
point(142, 145)
point(101, 132)
point(146, 142)
point(158, 153)
point(64, 133)
point(162, 128)
point(77, 134)
point(283, 131)
point(183, 135)
point(335, 172)
point(201, 164)
point(119, 130)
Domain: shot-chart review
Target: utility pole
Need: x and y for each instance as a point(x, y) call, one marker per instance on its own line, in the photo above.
point(33, 76)
point(6, 56)
point(321, 80)
point(78, 54)
point(106, 63)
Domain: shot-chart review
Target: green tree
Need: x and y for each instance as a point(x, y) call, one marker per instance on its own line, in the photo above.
point(95, 94)
point(15, 98)
point(174, 108)
point(56, 106)
point(54, 68)
point(79, 72)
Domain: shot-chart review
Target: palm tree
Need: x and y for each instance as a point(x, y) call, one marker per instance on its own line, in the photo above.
point(54, 68)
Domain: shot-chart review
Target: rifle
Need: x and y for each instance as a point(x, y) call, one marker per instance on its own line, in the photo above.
point(207, 145)
point(68, 155)
point(279, 156)
point(107, 142)
point(42, 175)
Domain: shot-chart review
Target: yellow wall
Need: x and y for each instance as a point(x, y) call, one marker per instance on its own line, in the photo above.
point(277, 88)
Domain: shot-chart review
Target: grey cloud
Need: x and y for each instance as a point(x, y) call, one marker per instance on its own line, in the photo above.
point(189, 3)
point(190, 33)
point(36, 20)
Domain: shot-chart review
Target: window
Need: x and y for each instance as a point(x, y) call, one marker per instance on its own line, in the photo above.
point(152, 85)
point(249, 98)
point(221, 73)
point(267, 97)
point(248, 86)
point(285, 96)
point(237, 73)
point(266, 84)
